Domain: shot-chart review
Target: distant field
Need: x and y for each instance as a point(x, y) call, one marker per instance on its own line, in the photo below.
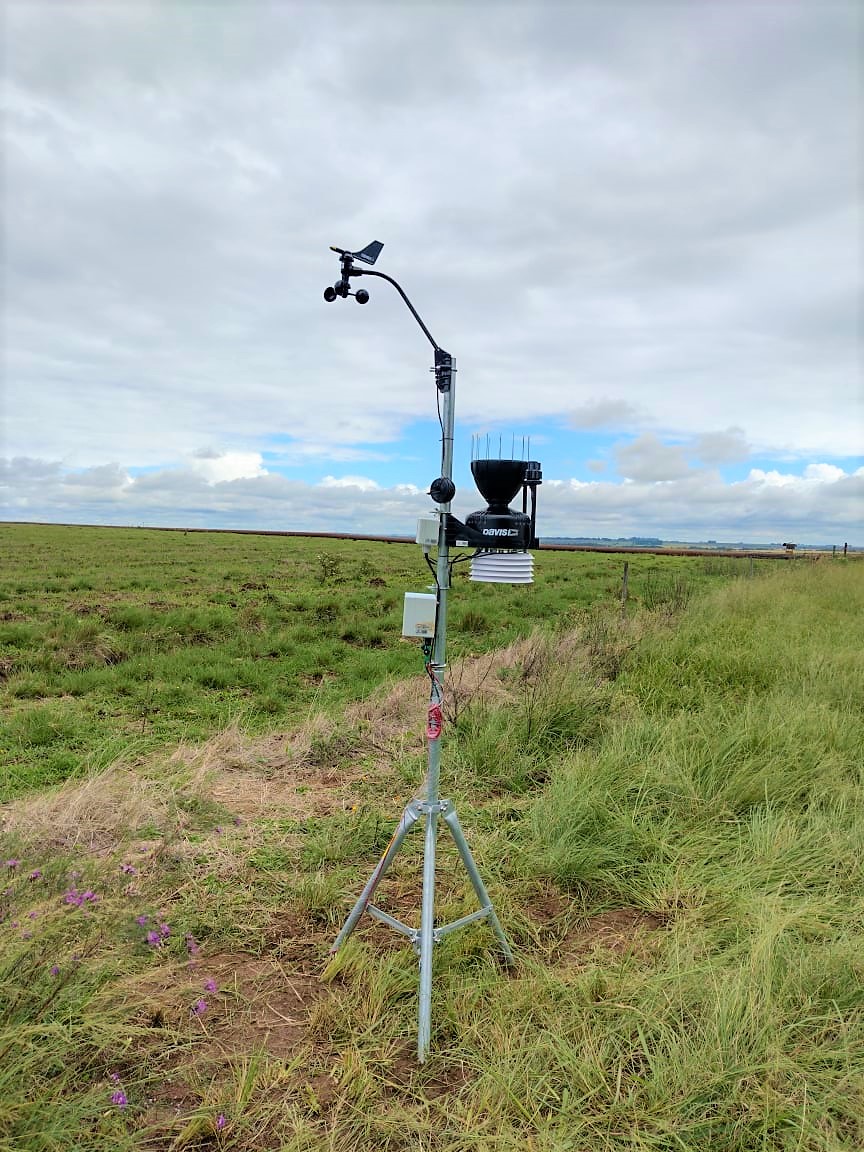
point(116, 641)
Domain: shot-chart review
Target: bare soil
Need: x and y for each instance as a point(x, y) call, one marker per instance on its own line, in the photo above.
point(620, 930)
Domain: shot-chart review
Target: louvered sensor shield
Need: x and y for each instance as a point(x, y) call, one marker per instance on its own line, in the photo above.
point(503, 567)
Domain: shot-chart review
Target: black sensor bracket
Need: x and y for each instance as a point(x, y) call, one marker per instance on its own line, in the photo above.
point(510, 533)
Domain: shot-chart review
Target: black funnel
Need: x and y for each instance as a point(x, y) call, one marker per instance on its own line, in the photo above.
point(498, 480)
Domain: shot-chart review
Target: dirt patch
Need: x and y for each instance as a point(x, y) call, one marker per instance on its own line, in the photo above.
point(621, 930)
point(167, 1103)
point(226, 1005)
point(289, 940)
point(241, 1003)
point(404, 1072)
point(268, 1005)
point(547, 906)
point(324, 1089)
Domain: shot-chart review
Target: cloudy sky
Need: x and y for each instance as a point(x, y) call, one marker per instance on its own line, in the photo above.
point(636, 226)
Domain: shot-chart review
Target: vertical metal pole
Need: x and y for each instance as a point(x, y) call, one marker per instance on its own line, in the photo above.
point(444, 383)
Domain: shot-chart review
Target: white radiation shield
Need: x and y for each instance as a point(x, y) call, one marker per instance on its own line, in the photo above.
point(503, 568)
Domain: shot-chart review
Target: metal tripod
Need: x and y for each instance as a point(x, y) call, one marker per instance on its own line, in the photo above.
point(429, 809)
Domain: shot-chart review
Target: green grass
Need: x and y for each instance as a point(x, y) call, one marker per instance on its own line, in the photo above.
point(669, 814)
point(111, 636)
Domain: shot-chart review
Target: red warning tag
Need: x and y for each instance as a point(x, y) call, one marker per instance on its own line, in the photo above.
point(434, 722)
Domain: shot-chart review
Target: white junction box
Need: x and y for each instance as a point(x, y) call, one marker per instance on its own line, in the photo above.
point(418, 615)
point(427, 531)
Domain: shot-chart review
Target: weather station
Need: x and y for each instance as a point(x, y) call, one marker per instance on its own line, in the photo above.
point(499, 539)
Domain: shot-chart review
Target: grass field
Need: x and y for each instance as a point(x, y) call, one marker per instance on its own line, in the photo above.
point(667, 810)
point(114, 642)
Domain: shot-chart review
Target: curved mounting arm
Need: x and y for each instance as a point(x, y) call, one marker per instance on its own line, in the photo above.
point(443, 360)
point(352, 271)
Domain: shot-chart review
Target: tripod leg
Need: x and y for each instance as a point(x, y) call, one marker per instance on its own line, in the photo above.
point(452, 821)
point(427, 935)
point(409, 818)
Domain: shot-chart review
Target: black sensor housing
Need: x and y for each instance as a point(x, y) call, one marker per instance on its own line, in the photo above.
point(498, 527)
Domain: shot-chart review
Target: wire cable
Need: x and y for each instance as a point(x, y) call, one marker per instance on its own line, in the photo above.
point(441, 422)
point(432, 569)
point(461, 558)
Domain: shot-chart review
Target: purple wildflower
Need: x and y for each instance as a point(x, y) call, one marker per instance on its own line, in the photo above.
point(128, 870)
point(26, 935)
point(13, 864)
point(154, 939)
point(14, 923)
point(115, 1076)
point(210, 986)
point(55, 969)
point(32, 915)
point(164, 931)
point(237, 821)
point(220, 1122)
point(119, 1098)
point(199, 1007)
point(141, 920)
point(73, 896)
point(192, 945)
point(36, 874)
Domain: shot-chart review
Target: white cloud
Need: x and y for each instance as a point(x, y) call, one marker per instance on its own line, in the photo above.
point(771, 479)
point(765, 507)
point(822, 506)
point(646, 458)
point(110, 479)
point(823, 472)
point(363, 483)
point(726, 447)
point(219, 467)
point(607, 241)
point(603, 414)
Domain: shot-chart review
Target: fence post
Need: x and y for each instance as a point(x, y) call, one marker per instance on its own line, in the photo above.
point(751, 565)
point(624, 587)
